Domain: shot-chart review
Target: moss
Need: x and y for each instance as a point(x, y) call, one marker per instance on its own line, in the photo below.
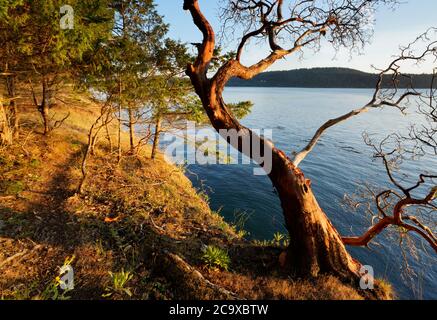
point(11, 188)
point(35, 163)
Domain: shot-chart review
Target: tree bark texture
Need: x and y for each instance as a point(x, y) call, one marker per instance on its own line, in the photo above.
point(315, 245)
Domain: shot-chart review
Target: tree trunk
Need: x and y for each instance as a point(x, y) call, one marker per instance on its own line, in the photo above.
point(15, 122)
point(120, 92)
point(5, 129)
point(45, 117)
point(315, 245)
point(93, 144)
point(119, 135)
point(158, 129)
point(43, 108)
point(131, 131)
point(84, 170)
point(108, 136)
point(15, 119)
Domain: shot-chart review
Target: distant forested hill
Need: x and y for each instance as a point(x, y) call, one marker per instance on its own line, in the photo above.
point(324, 78)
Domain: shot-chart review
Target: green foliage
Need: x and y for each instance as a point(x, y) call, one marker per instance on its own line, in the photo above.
point(204, 196)
point(44, 54)
point(221, 58)
point(30, 292)
point(241, 109)
point(23, 292)
point(160, 288)
point(11, 187)
point(278, 237)
point(119, 281)
point(279, 240)
point(52, 292)
point(6, 5)
point(240, 220)
point(215, 257)
point(140, 69)
point(263, 243)
point(196, 112)
point(36, 43)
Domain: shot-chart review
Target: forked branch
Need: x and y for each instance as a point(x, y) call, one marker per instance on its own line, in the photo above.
point(396, 208)
point(389, 78)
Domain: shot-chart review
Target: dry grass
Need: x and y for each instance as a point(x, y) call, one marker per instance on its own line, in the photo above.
point(276, 288)
point(385, 289)
point(129, 215)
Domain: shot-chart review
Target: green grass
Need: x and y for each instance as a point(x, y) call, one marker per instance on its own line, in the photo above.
point(119, 281)
point(216, 258)
point(279, 240)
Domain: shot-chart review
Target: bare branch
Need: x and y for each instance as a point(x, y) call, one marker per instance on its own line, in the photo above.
point(389, 77)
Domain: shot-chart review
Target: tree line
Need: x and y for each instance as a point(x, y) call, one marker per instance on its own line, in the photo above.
point(329, 78)
point(117, 50)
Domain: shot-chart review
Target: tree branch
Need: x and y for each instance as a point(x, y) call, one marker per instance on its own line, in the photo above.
point(206, 50)
point(378, 99)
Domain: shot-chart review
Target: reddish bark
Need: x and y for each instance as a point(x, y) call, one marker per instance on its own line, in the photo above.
point(316, 246)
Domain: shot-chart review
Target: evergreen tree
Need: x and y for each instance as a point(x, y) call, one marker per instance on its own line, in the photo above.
point(45, 54)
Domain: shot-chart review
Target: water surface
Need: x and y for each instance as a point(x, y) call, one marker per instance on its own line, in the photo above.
point(337, 166)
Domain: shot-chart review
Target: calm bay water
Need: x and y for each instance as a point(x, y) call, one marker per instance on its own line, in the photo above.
point(337, 166)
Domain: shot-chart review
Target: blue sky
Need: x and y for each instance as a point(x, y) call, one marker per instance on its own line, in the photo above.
point(393, 28)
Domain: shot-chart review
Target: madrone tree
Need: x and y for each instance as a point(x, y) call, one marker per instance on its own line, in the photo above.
point(288, 27)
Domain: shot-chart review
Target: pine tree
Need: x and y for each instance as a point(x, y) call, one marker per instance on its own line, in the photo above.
point(45, 54)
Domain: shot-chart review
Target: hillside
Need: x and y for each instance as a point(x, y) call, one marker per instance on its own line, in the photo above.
point(322, 78)
point(138, 232)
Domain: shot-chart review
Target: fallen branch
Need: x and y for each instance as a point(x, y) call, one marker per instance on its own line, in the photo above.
point(191, 283)
point(15, 256)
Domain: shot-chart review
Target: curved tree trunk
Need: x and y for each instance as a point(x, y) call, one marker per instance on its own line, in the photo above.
point(315, 245)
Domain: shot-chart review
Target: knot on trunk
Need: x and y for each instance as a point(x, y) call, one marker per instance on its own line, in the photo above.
point(306, 186)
